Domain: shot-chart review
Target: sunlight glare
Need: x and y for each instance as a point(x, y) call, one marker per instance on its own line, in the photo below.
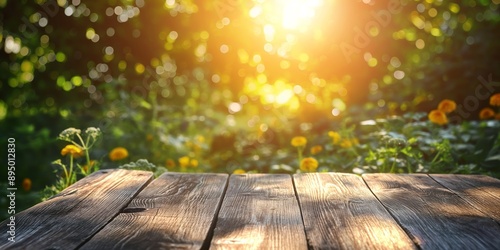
point(290, 14)
point(297, 12)
point(278, 94)
point(284, 96)
point(269, 32)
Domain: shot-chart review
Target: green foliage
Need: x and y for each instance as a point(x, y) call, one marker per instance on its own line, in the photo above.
point(420, 146)
point(80, 146)
point(143, 164)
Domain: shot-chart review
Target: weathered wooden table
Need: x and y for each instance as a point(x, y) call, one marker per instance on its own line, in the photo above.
point(121, 209)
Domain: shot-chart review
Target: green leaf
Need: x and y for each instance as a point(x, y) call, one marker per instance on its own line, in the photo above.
point(493, 158)
point(145, 104)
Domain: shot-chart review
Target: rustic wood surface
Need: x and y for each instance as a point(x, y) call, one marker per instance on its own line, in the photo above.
point(340, 212)
point(122, 209)
point(176, 211)
point(259, 211)
point(482, 192)
point(435, 217)
point(77, 213)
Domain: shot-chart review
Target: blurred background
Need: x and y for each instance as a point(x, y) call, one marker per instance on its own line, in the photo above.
point(230, 82)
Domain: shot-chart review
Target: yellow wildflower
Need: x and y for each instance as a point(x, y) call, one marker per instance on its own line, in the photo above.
point(73, 150)
point(87, 167)
point(299, 141)
point(118, 153)
point(194, 163)
point(26, 184)
point(495, 100)
point(335, 137)
point(308, 164)
point(486, 113)
point(346, 143)
point(184, 161)
point(438, 117)
point(447, 106)
point(316, 149)
point(239, 171)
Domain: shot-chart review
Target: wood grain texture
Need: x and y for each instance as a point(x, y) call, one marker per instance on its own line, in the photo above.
point(340, 212)
point(259, 211)
point(70, 218)
point(176, 211)
point(434, 217)
point(482, 192)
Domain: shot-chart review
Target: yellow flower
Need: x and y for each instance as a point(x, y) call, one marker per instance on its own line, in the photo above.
point(299, 141)
point(347, 143)
point(316, 149)
point(335, 137)
point(447, 106)
point(184, 161)
point(486, 113)
point(118, 153)
point(194, 163)
point(438, 117)
point(73, 150)
point(239, 171)
point(26, 184)
point(87, 167)
point(495, 100)
point(308, 164)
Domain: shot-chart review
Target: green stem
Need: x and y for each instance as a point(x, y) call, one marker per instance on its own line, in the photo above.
point(81, 140)
point(87, 141)
point(70, 176)
point(435, 159)
point(65, 172)
point(408, 166)
point(393, 167)
point(86, 172)
point(87, 156)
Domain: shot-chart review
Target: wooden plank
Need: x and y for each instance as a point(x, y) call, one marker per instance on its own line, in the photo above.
point(482, 192)
point(340, 212)
point(259, 211)
point(434, 217)
point(176, 211)
point(70, 218)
